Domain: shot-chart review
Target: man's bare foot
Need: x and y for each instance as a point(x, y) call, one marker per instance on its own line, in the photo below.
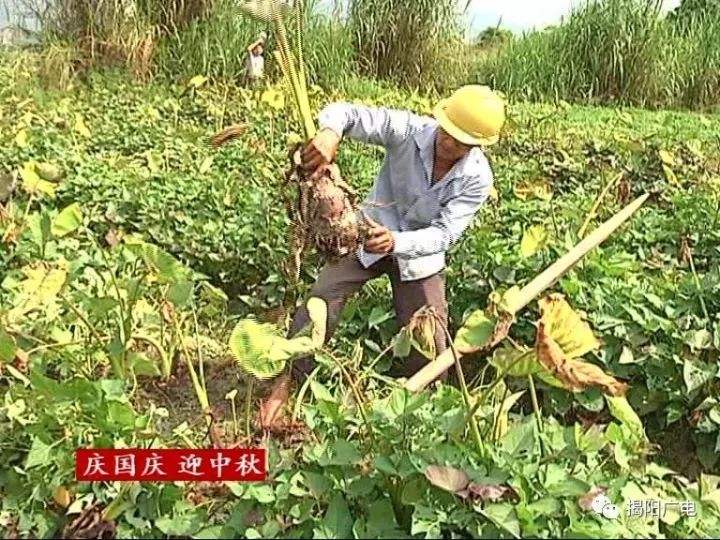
point(271, 407)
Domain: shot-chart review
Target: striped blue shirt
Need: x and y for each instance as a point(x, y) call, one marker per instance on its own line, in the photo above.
point(426, 219)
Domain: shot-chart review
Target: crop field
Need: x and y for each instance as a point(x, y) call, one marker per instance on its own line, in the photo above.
point(141, 268)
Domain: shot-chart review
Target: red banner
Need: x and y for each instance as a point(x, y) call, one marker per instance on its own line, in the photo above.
point(170, 465)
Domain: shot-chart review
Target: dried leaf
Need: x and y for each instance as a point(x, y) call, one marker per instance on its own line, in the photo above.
point(576, 375)
point(62, 496)
point(565, 326)
point(447, 478)
point(527, 189)
point(492, 492)
point(113, 237)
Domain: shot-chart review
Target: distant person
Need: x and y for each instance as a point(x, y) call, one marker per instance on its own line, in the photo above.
point(256, 61)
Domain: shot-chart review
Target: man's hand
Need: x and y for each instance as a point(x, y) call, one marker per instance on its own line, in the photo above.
point(321, 150)
point(380, 240)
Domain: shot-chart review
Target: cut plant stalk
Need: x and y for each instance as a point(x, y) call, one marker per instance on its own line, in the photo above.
point(596, 205)
point(528, 293)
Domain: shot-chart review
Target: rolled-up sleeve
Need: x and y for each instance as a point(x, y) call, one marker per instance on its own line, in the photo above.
point(374, 125)
point(444, 231)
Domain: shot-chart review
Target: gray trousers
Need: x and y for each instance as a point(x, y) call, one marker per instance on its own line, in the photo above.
point(338, 281)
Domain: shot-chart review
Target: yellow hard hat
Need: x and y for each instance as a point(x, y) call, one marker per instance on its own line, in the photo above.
point(473, 115)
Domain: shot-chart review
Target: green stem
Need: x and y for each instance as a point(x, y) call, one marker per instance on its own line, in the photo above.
point(199, 388)
point(538, 416)
point(160, 350)
point(596, 205)
point(248, 406)
point(301, 393)
point(699, 287)
point(474, 428)
point(358, 397)
point(236, 429)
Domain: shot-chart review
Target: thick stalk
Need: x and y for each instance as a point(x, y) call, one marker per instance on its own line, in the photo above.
point(248, 406)
point(197, 385)
point(538, 416)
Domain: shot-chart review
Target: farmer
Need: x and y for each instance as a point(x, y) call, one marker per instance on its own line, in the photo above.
point(256, 60)
point(433, 180)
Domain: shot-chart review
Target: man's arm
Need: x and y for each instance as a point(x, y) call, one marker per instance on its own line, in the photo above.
point(374, 125)
point(447, 229)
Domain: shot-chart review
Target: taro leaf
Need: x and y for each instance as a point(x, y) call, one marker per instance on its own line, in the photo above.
point(39, 289)
point(666, 157)
point(576, 375)
point(49, 172)
point(338, 521)
point(80, 126)
point(21, 138)
point(621, 410)
point(696, 374)
point(520, 438)
point(39, 454)
point(67, 221)
point(317, 310)
point(7, 347)
point(516, 363)
point(699, 339)
point(167, 267)
point(33, 184)
point(503, 515)
point(534, 239)
point(475, 333)
point(402, 343)
point(262, 351)
point(179, 293)
point(142, 365)
point(502, 413)
point(447, 478)
point(492, 492)
point(567, 329)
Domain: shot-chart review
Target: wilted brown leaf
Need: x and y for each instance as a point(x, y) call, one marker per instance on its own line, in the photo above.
point(232, 132)
point(447, 478)
point(62, 496)
point(492, 492)
point(113, 237)
point(575, 375)
point(21, 361)
point(573, 335)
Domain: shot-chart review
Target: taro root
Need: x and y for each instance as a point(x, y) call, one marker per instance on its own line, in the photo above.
point(325, 214)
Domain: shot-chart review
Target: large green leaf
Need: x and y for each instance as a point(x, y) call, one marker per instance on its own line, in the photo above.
point(338, 521)
point(167, 268)
point(517, 363)
point(262, 351)
point(67, 221)
point(621, 409)
point(476, 331)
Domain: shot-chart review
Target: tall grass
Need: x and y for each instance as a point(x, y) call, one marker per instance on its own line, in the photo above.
point(410, 42)
point(614, 51)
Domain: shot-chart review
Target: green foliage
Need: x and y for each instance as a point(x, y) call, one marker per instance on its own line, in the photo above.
point(615, 51)
point(104, 285)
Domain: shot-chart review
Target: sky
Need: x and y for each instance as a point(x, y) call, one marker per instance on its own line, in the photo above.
point(519, 15)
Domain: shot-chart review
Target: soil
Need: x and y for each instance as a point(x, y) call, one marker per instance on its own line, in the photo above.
point(177, 395)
